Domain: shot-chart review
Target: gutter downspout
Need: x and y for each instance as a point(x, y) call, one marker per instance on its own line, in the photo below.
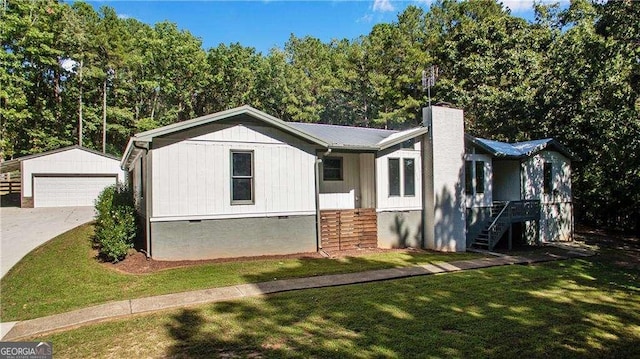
point(318, 219)
point(147, 225)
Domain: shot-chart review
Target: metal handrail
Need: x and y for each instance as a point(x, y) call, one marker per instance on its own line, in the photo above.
point(493, 224)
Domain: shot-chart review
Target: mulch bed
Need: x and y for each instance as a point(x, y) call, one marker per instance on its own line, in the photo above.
point(137, 262)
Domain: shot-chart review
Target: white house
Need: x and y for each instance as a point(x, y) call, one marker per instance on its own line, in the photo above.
point(244, 183)
point(530, 180)
point(69, 176)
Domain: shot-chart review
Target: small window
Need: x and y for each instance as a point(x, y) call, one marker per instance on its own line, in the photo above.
point(241, 177)
point(468, 177)
point(332, 168)
point(394, 177)
point(409, 177)
point(479, 176)
point(548, 175)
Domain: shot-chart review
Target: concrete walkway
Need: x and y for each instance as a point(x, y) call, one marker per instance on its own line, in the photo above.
point(24, 229)
point(125, 308)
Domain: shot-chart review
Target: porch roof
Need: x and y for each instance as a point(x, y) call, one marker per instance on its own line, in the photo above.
point(358, 138)
point(518, 150)
point(345, 136)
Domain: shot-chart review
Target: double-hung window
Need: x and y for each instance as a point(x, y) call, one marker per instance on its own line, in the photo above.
point(402, 177)
point(241, 177)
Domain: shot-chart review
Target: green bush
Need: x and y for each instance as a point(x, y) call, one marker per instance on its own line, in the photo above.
point(115, 222)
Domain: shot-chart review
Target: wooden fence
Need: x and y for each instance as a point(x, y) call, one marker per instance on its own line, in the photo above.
point(349, 229)
point(9, 187)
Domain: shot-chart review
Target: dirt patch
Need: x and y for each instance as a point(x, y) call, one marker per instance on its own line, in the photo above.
point(137, 262)
point(623, 250)
point(366, 251)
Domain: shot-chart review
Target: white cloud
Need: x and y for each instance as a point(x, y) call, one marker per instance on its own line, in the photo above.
point(383, 5)
point(526, 5)
point(366, 18)
point(123, 16)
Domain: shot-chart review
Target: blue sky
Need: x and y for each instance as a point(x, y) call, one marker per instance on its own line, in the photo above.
point(269, 23)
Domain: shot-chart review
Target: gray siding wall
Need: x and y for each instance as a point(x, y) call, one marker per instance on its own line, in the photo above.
point(476, 220)
point(400, 229)
point(228, 238)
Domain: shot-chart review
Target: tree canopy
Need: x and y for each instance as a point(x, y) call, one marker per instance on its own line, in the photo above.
point(572, 74)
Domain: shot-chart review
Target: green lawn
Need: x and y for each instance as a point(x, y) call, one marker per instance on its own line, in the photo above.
point(63, 275)
point(576, 308)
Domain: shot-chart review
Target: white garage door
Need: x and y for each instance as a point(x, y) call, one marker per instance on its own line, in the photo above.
point(68, 191)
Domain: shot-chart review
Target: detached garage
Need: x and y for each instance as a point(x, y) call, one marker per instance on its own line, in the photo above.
point(70, 176)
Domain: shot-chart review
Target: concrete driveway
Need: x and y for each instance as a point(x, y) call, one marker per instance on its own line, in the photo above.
point(24, 229)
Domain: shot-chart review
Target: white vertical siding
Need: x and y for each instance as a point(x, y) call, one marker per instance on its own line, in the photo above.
point(367, 180)
point(561, 177)
point(506, 180)
point(390, 203)
point(556, 218)
point(481, 199)
point(338, 200)
point(73, 161)
point(350, 177)
point(192, 178)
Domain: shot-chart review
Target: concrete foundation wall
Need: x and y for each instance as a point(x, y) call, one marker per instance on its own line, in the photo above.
point(228, 238)
point(400, 229)
point(477, 218)
point(26, 202)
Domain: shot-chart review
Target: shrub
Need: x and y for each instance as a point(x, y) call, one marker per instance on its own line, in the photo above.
point(115, 222)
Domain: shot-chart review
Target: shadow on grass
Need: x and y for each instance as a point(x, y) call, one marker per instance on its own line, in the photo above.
point(574, 308)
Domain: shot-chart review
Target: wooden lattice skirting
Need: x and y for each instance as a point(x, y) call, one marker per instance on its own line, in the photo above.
point(349, 229)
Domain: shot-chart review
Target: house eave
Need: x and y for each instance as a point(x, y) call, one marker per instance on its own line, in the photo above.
point(410, 134)
point(147, 137)
point(14, 164)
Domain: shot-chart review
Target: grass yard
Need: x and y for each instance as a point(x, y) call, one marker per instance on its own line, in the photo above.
point(575, 308)
point(63, 275)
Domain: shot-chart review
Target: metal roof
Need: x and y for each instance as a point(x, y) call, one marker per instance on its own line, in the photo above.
point(327, 136)
point(14, 164)
point(519, 149)
point(345, 136)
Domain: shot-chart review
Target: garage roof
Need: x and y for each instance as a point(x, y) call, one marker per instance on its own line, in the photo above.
point(14, 164)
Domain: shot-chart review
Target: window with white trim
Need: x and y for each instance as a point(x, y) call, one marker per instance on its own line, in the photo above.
point(402, 177)
point(241, 177)
point(474, 177)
